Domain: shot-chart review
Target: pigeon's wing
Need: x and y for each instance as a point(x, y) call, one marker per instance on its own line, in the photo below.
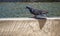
point(33, 11)
point(37, 12)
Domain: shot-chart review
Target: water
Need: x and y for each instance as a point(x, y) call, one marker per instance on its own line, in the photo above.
point(17, 9)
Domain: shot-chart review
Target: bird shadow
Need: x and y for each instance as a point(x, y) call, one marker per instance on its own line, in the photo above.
point(41, 22)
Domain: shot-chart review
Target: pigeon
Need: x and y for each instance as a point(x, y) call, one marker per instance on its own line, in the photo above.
point(37, 13)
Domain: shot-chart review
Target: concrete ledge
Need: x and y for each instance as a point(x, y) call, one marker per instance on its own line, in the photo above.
point(29, 27)
point(27, 18)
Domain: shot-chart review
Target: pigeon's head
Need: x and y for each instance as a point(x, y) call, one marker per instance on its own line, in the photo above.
point(27, 7)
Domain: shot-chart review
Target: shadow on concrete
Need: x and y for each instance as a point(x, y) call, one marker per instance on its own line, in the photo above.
point(42, 22)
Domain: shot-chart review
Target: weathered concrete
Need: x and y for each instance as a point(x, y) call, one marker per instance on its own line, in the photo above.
point(30, 27)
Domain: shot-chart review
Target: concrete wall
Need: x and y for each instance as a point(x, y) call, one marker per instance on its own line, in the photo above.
point(30, 27)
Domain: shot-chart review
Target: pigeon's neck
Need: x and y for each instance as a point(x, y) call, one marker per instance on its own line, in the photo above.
point(30, 9)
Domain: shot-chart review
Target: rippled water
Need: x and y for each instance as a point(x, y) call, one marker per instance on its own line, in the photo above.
point(17, 9)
